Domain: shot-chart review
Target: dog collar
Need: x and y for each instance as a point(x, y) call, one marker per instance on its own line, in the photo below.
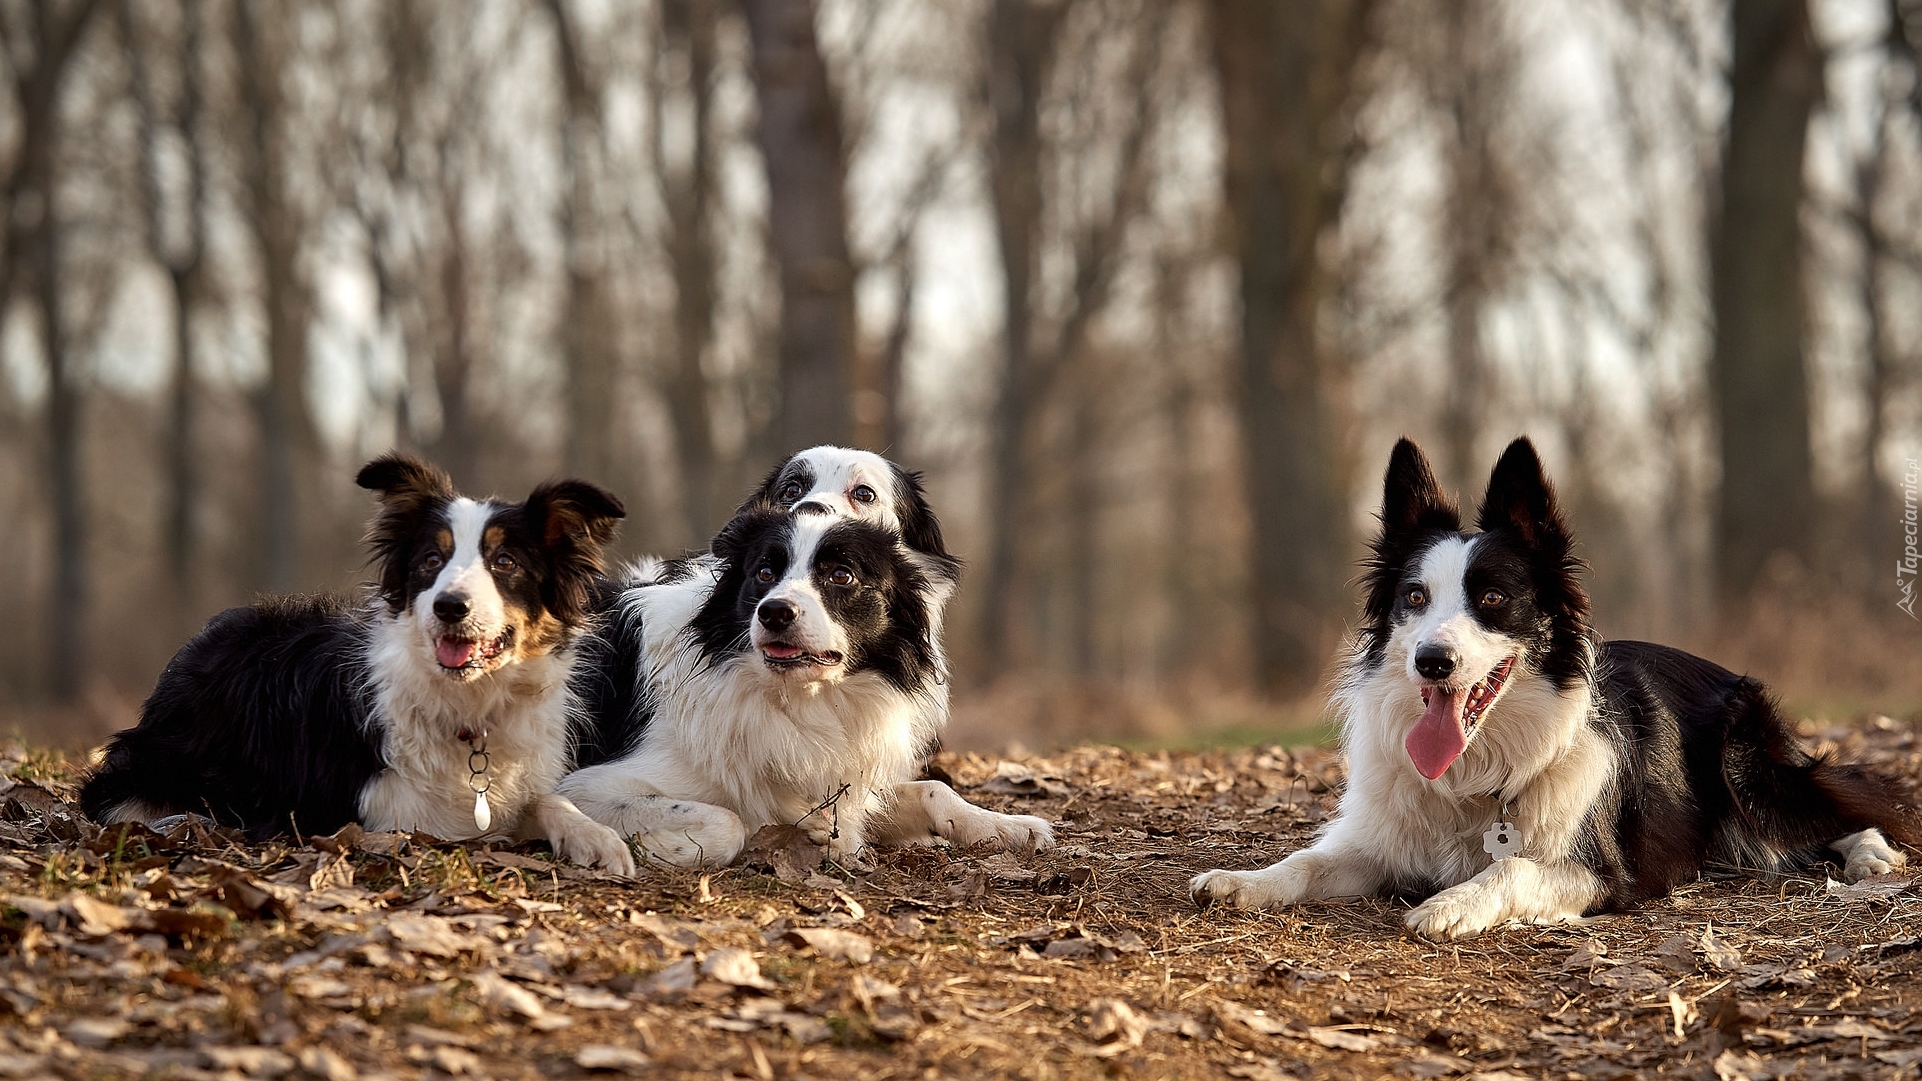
point(477, 778)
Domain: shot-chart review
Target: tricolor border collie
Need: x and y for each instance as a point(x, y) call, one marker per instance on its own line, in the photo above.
point(1500, 753)
point(443, 705)
point(793, 678)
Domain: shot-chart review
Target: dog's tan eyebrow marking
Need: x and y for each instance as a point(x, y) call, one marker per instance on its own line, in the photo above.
point(444, 540)
point(493, 537)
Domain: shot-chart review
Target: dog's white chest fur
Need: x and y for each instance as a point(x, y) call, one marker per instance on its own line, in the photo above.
point(419, 713)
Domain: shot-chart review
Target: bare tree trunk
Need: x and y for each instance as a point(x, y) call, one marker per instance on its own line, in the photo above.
point(689, 27)
point(34, 244)
point(799, 132)
point(587, 334)
point(181, 259)
point(457, 447)
point(1021, 49)
point(280, 406)
point(1758, 374)
point(1286, 69)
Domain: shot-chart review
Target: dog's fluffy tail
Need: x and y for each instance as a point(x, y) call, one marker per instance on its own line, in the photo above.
point(1796, 802)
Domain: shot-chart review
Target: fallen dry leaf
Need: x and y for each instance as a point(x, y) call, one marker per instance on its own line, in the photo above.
point(834, 944)
point(735, 967)
point(1115, 1027)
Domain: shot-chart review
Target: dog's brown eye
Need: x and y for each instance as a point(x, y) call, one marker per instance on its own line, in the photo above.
point(504, 562)
point(791, 491)
point(433, 561)
point(1493, 597)
point(863, 494)
point(1417, 597)
point(841, 576)
point(764, 575)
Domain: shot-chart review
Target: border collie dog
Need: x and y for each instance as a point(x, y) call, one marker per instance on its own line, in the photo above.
point(443, 705)
point(1501, 754)
point(794, 678)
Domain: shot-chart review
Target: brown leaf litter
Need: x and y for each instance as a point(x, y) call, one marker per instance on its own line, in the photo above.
point(199, 955)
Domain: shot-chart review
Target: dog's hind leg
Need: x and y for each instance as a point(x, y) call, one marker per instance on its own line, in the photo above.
point(1791, 802)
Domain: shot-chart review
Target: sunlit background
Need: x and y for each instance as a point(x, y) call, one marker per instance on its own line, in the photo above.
point(1147, 289)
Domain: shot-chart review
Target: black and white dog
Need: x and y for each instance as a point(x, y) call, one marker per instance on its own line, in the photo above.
point(795, 677)
point(442, 705)
point(1500, 753)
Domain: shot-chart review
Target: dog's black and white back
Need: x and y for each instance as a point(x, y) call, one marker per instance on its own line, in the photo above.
point(1477, 695)
point(306, 713)
point(795, 678)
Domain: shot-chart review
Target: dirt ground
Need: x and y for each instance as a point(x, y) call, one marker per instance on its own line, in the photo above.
point(127, 954)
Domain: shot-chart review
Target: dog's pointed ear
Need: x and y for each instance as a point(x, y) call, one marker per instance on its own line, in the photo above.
point(403, 481)
point(1411, 499)
point(576, 511)
point(733, 539)
point(1519, 498)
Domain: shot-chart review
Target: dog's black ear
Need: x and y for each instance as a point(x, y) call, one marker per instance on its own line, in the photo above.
point(920, 530)
point(577, 512)
point(739, 532)
point(575, 521)
point(1519, 498)
point(403, 481)
point(407, 488)
point(1411, 498)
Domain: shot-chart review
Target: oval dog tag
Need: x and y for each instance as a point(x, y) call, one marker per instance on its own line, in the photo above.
point(483, 815)
point(1502, 841)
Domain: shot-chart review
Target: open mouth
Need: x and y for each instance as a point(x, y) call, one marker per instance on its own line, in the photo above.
point(785, 655)
point(1449, 714)
point(457, 654)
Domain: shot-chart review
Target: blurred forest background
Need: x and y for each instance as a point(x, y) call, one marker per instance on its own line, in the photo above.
point(1146, 287)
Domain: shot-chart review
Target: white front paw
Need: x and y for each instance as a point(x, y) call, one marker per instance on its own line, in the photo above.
point(1269, 887)
point(591, 844)
point(689, 834)
point(1458, 912)
point(1003, 832)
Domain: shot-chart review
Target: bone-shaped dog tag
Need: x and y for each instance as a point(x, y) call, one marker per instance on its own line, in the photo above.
point(1502, 841)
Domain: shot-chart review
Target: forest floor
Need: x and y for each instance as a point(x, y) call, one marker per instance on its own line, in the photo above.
point(127, 954)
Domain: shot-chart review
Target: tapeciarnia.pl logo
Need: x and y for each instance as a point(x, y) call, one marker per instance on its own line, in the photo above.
point(1911, 561)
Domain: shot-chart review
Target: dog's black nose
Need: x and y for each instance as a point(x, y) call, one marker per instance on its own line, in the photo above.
point(813, 507)
point(1434, 662)
point(777, 615)
point(451, 607)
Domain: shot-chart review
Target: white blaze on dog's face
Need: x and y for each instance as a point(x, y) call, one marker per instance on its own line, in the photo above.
point(1450, 645)
point(458, 606)
point(792, 626)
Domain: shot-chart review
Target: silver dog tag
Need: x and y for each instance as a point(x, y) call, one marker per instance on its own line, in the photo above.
point(1502, 841)
point(483, 815)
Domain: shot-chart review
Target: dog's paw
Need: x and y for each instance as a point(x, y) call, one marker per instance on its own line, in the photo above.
point(591, 844)
point(1247, 890)
point(1455, 913)
point(1872, 856)
point(1002, 832)
point(689, 834)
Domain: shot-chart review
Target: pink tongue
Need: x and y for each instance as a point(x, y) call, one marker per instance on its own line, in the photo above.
point(453, 652)
point(1438, 738)
point(781, 652)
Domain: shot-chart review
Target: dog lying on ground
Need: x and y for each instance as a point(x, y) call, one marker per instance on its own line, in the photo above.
point(793, 676)
point(442, 706)
point(1500, 753)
